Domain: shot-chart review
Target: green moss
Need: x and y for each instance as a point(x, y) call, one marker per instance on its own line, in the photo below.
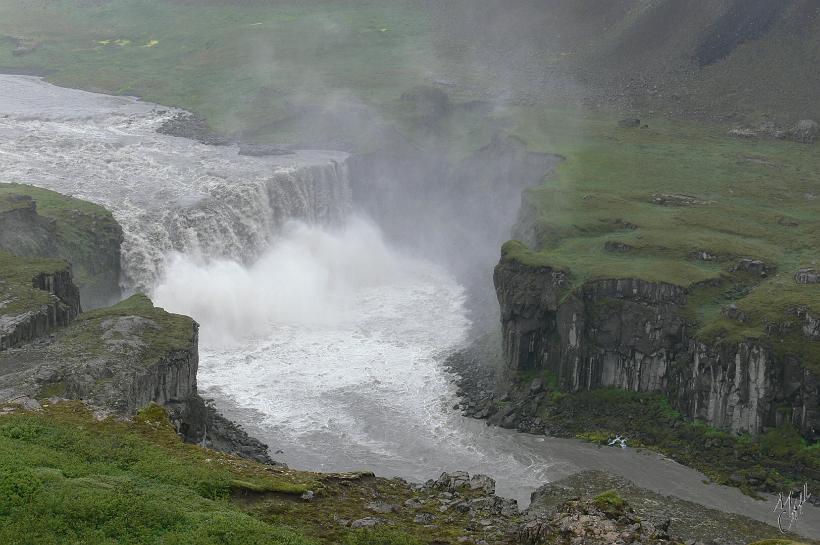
point(55, 389)
point(610, 502)
point(380, 537)
point(17, 292)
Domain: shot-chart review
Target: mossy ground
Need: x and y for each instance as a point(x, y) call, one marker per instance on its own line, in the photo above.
point(165, 333)
point(68, 477)
point(17, 292)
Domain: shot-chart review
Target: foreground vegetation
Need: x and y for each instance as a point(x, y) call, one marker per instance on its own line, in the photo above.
point(68, 477)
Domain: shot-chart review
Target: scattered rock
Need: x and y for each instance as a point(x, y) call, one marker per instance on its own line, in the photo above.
point(424, 518)
point(592, 522)
point(309, 495)
point(188, 125)
point(804, 131)
point(734, 313)
point(262, 150)
point(629, 123)
point(383, 507)
point(675, 200)
point(753, 266)
point(483, 483)
point(807, 276)
point(368, 522)
point(615, 246)
point(702, 255)
point(452, 481)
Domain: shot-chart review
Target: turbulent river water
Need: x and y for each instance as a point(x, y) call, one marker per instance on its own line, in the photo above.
point(317, 336)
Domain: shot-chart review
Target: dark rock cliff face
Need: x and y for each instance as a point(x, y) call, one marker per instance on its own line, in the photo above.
point(62, 308)
point(632, 334)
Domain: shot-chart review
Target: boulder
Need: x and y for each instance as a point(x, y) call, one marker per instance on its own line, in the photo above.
point(484, 483)
point(804, 131)
point(382, 507)
point(754, 266)
point(807, 276)
point(368, 522)
point(629, 123)
point(616, 246)
point(452, 481)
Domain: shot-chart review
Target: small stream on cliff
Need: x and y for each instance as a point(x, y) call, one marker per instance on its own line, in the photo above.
point(317, 336)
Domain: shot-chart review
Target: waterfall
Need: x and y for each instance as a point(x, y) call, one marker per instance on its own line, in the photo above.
point(170, 194)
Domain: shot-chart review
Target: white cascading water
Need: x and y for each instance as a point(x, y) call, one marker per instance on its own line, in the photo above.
point(316, 335)
point(169, 194)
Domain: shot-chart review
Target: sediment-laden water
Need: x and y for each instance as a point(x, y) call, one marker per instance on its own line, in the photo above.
point(316, 335)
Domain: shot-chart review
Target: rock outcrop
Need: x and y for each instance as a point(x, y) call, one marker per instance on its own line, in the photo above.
point(62, 306)
point(634, 335)
point(85, 235)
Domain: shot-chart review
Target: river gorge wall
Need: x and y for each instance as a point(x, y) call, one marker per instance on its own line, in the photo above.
point(634, 335)
point(61, 307)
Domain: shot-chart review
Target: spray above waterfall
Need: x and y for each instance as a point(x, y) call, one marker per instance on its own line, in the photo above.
point(309, 276)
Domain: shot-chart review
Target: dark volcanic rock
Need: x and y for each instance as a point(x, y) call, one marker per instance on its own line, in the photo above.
point(807, 276)
point(635, 335)
point(188, 125)
point(629, 123)
point(804, 131)
point(429, 102)
point(262, 150)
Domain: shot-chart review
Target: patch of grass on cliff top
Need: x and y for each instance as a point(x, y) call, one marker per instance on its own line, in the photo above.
point(17, 293)
point(161, 333)
point(49, 203)
point(661, 194)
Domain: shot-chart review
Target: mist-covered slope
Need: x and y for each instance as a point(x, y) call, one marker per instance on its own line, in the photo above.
point(721, 58)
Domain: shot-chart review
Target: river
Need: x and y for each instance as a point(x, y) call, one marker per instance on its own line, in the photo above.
point(317, 335)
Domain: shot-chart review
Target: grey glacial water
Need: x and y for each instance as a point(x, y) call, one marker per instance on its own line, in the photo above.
point(316, 335)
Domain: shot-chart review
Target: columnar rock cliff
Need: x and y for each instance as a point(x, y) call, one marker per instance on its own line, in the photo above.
point(62, 306)
point(634, 334)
